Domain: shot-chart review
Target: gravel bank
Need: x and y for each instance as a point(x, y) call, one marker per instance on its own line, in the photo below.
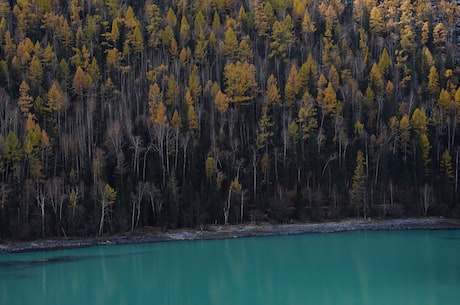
point(235, 231)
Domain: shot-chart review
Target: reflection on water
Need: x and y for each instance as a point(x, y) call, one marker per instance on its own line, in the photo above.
point(372, 268)
point(18, 265)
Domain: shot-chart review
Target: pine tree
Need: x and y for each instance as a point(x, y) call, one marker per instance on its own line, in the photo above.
point(273, 96)
point(376, 24)
point(446, 166)
point(221, 102)
point(425, 33)
point(55, 98)
point(404, 134)
point(230, 44)
point(210, 167)
point(385, 64)
point(308, 75)
point(308, 25)
point(419, 125)
point(376, 79)
point(444, 101)
point(292, 87)
point(358, 185)
point(12, 150)
point(433, 82)
point(192, 119)
point(440, 36)
point(307, 116)
point(25, 101)
point(184, 33)
point(240, 81)
point(265, 132)
point(328, 103)
point(172, 93)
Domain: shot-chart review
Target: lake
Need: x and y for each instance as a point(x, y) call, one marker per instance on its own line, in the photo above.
point(371, 268)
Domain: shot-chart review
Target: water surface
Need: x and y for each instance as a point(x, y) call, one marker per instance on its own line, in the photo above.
point(369, 268)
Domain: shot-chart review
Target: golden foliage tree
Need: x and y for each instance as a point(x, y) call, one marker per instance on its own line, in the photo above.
point(240, 81)
point(192, 119)
point(210, 167)
point(433, 82)
point(446, 166)
point(221, 102)
point(292, 87)
point(265, 133)
point(272, 97)
point(358, 184)
point(56, 100)
point(404, 134)
point(25, 101)
point(108, 196)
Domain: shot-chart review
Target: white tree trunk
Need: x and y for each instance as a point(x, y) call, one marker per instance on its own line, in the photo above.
point(242, 208)
point(227, 206)
point(101, 224)
point(41, 197)
point(426, 198)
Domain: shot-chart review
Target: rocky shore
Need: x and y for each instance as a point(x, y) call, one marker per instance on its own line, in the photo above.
point(235, 231)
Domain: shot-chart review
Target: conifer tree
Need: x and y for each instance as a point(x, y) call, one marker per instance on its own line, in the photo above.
point(433, 82)
point(273, 96)
point(446, 166)
point(358, 186)
point(25, 101)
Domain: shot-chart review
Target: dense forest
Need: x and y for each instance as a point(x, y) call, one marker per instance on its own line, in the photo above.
point(117, 115)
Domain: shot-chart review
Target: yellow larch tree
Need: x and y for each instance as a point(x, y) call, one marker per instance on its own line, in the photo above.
point(292, 87)
point(272, 97)
point(358, 185)
point(240, 81)
point(221, 102)
point(25, 101)
point(192, 119)
point(433, 82)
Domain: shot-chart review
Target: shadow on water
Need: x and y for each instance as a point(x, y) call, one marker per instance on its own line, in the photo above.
point(40, 261)
point(16, 267)
point(452, 237)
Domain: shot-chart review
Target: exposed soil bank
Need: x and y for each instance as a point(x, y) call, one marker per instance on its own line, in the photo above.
point(234, 231)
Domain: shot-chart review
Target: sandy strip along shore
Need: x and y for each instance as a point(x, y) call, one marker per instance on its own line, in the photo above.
point(235, 231)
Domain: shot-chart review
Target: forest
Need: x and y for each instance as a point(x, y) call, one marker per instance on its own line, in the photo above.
point(119, 115)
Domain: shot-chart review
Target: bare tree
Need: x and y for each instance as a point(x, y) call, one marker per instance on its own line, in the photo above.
point(234, 188)
point(155, 198)
point(54, 188)
point(40, 196)
point(4, 192)
point(426, 197)
point(107, 197)
point(137, 198)
point(137, 146)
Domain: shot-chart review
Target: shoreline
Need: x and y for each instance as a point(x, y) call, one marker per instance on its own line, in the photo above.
point(212, 232)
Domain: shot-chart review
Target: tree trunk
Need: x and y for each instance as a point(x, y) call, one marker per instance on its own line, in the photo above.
point(241, 208)
point(456, 178)
point(101, 224)
point(254, 173)
point(40, 196)
point(145, 161)
point(185, 144)
point(426, 198)
point(133, 214)
point(227, 206)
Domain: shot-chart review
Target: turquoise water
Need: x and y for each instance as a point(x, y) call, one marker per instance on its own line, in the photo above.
point(371, 268)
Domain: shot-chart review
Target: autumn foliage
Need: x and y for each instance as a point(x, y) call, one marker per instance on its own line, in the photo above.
point(116, 115)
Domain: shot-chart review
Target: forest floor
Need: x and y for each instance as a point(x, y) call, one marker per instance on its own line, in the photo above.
point(235, 231)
